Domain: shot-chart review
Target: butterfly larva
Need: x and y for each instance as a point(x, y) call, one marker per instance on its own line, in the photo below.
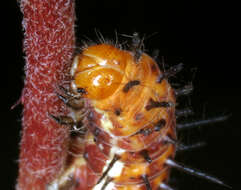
point(124, 109)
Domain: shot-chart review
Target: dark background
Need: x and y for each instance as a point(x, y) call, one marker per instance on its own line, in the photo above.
point(201, 35)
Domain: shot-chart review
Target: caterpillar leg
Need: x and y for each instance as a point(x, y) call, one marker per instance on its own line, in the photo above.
point(69, 121)
point(72, 95)
point(74, 102)
point(64, 120)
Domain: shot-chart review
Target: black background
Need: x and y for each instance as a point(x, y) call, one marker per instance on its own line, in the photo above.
point(201, 35)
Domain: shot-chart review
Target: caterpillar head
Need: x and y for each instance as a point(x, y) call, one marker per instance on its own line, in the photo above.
point(99, 70)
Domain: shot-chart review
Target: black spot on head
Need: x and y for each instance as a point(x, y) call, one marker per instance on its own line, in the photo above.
point(118, 111)
point(130, 84)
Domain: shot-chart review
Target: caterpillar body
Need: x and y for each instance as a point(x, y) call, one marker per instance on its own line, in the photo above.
point(124, 110)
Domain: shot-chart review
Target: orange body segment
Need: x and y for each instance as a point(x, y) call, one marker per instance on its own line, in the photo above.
point(99, 70)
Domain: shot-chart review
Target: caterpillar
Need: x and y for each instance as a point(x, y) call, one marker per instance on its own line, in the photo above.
point(123, 121)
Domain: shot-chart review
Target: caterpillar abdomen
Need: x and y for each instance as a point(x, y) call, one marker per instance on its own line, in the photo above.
point(131, 115)
point(123, 109)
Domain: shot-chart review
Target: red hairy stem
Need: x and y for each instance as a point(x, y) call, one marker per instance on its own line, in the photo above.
point(48, 44)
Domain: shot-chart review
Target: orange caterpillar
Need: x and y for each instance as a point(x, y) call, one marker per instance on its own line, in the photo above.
point(124, 111)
